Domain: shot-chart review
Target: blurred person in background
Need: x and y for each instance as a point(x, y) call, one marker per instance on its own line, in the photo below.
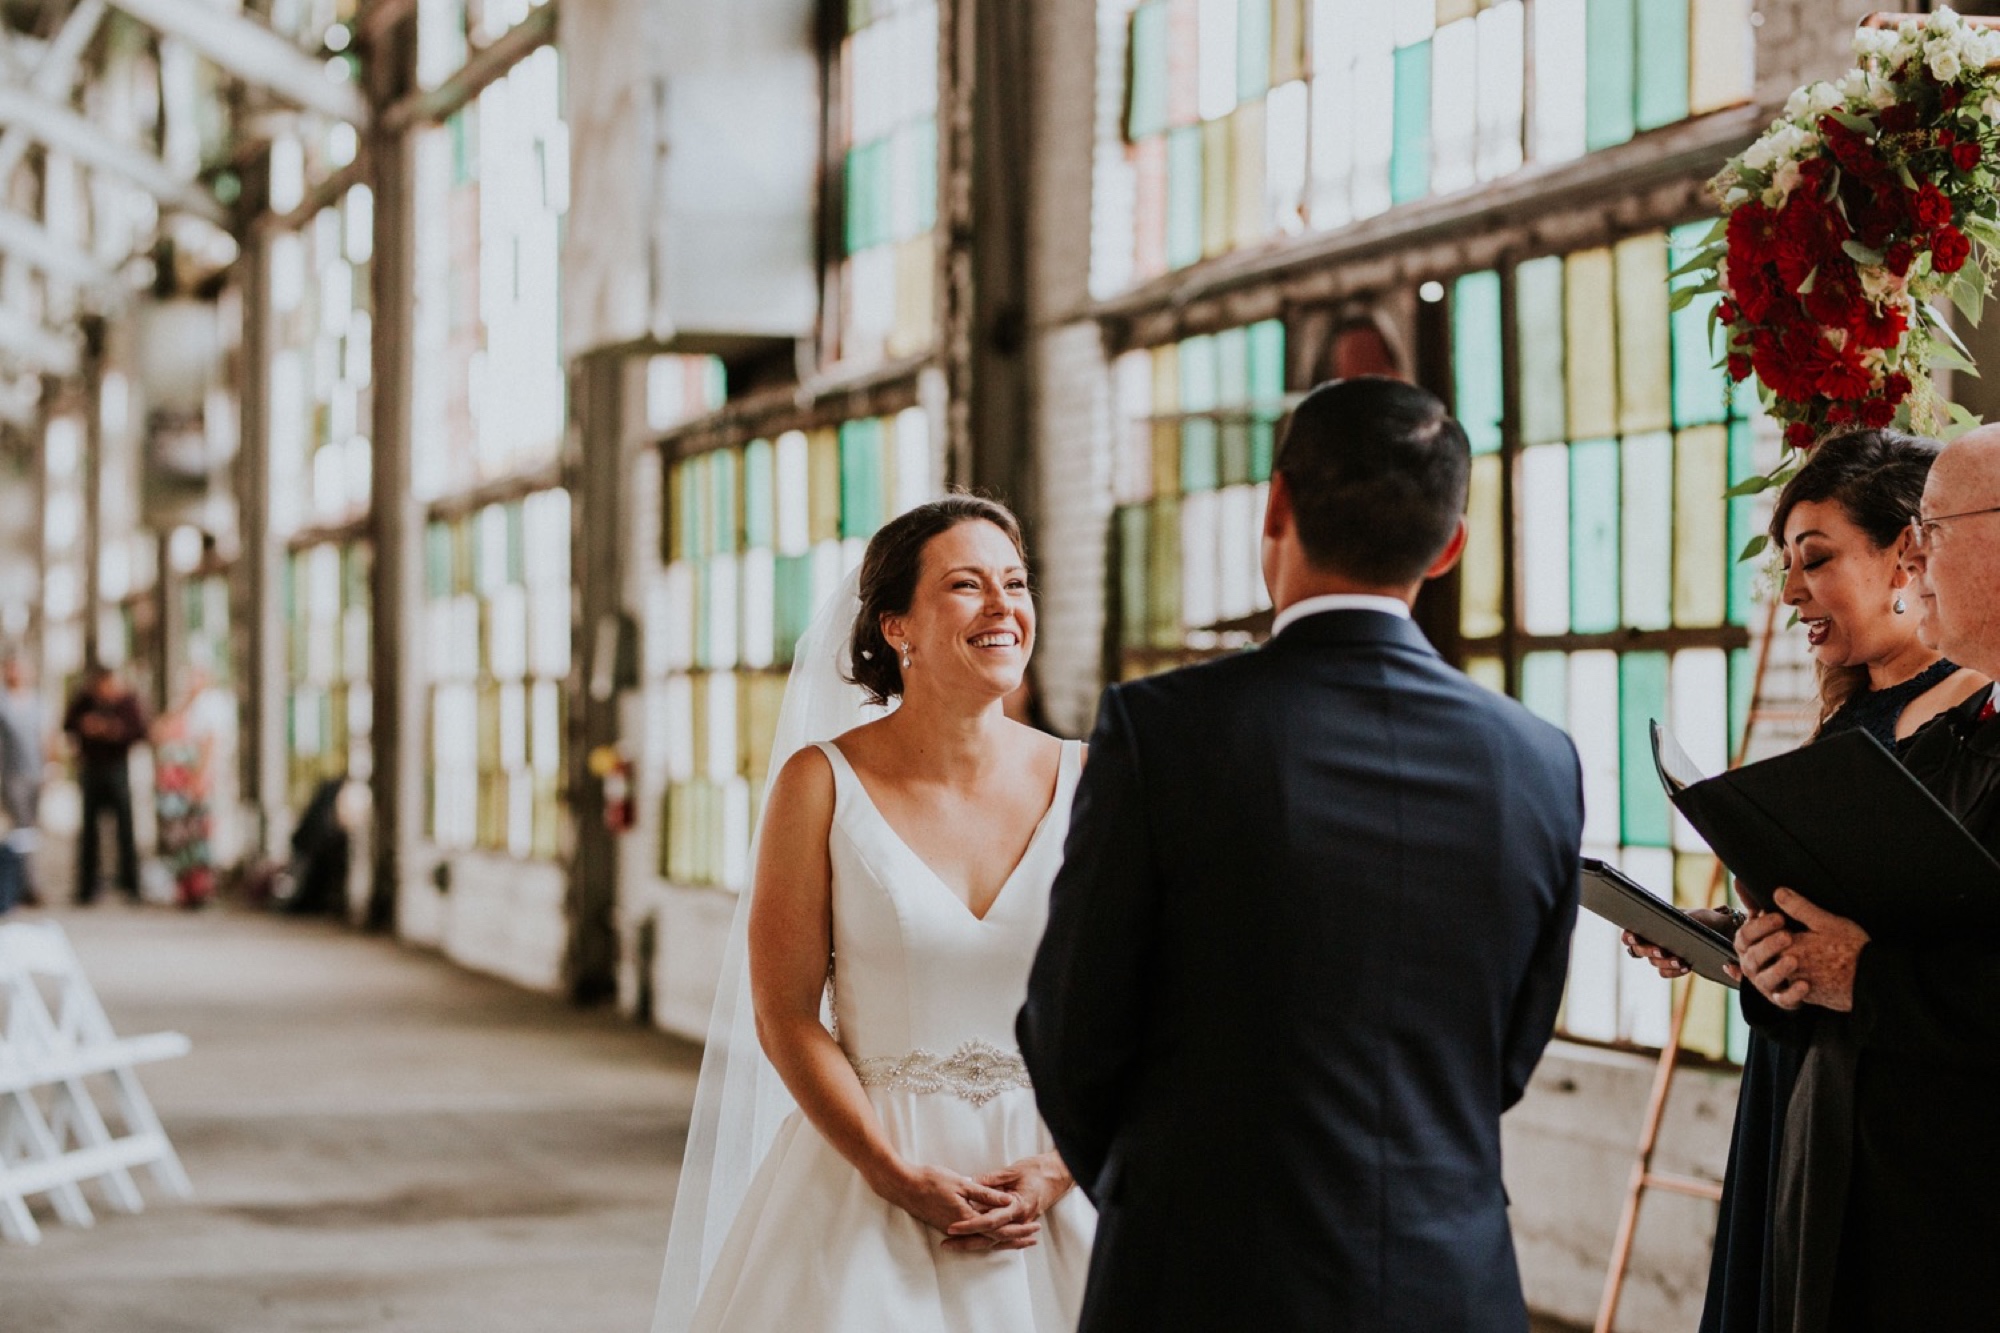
point(105, 720)
point(24, 747)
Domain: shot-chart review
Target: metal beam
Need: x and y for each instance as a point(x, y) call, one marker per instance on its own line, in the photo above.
point(28, 341)
point(252, 52)
point(54, 72)
point(64, 130)
point(32, 243)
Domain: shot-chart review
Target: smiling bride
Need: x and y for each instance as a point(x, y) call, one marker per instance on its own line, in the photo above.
point(903, 866)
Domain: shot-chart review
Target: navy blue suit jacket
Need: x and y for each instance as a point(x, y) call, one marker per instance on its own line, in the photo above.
point(1307, 944)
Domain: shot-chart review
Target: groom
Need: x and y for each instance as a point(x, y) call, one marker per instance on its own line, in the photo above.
point(1311, 931)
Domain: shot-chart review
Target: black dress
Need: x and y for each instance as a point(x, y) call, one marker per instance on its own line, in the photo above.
point(1740, 1291)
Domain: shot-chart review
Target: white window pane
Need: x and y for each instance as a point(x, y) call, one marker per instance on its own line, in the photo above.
point(736, 834)
point(1375, 132)
point(1590, 1005)
point(1645, 1003)
point(1593, 725)
point(1454, 106)
point(1698, 714)
point(913, 459)
point(723, 760)
point(720, 603)
point(1646, 516)
point(1502, 78)
point(1217, 97)
point(1287, 156)
point(1199, 559)
point(677, 712)
point(759, 608)
point(1559, 101)
point(793, 472)
point(1333, 130)
point(1543, 502)
point(513, 726)
point(1239, 551)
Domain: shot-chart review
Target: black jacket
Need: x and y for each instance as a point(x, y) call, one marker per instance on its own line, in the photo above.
point(1308, 942)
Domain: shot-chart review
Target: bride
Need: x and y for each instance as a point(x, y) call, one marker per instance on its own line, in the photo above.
point(903, 868)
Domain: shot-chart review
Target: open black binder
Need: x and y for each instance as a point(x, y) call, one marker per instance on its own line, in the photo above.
point(1845, 824)
point(1628, 904)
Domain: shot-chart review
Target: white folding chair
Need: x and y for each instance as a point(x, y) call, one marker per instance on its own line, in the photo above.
point(55, 1038)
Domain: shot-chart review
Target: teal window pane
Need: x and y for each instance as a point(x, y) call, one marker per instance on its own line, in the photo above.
point(1593, 536)
point(688, 540)
point(1743, 525)
point(1742, 684)
point(1538, 318)
point(1253, 49)
point(437, 567)
point(1232, 367)
point(1609, 58)
point(1642, 697)
point(1701, 389)
point(1475, 356)
point(722, 501)
point(1199, 375)
point(1263, 443)
point(1267, 361)
point(1146, 111)
point(926, 189)
point(1646, 520)
point(1183, 196)
point(1663, 74)
point(854, 188)
point(1201, 465)
point(759, 491)
point(1134, 560)
point(792, 600)
point(1545, 687)
point(1410, 159)
point(860, 477)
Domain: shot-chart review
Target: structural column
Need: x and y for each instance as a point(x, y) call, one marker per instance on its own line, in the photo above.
point(608, 404)
point(395, 522)
point(260, 590)
point(91, 468)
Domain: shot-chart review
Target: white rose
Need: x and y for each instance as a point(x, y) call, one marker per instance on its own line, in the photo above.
point(1854, 87)
point(1990, 108)
point(1735, 195)
point(1760, 155)
point(1880, 91)
point(1944, 64)
point(1785, 181)
point(1878, 284)
point(1824, 97)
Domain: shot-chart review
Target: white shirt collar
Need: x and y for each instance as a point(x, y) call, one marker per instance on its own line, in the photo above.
point(1339, 601)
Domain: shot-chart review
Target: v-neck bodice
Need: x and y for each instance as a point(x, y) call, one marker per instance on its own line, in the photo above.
point(914, 969)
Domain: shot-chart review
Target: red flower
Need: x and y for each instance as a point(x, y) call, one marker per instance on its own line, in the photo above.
point(1844, 378)
point(1835, 300)
point(1739, 366)
point(1896, 387)
point(1880, 327)
point(1953, 95)
point(1965, 156)
point(1799, 435)
point(1899, 258)
point(1877, 413)
point(1949, 250)
point(1930, 207)
point(1840, 413)
point(1898, 118)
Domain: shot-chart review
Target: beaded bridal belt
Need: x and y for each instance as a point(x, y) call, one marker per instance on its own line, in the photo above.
point(975, 1072)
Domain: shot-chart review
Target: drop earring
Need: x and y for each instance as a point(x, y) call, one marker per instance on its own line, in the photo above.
point(1897, 605)
point(906, 657)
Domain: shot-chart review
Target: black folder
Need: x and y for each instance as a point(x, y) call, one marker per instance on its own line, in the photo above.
point(1843, 823)
point(1629, 905)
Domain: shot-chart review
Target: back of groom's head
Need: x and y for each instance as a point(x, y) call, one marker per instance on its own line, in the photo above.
point(1377, 473)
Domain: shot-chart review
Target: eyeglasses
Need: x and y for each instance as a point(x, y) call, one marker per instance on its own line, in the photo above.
point(1923, 531)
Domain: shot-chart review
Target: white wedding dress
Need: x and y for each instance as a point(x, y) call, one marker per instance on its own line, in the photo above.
point(924, 998)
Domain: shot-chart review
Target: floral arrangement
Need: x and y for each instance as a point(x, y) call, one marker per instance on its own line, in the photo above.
point(1864, 203)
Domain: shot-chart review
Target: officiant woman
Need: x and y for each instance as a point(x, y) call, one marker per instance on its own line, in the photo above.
point(1887, 1210)
point(1840, 527)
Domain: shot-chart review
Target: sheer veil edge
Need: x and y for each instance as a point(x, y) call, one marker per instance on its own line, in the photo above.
point(740, 1101)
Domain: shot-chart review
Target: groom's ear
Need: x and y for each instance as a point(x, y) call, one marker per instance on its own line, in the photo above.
point(1449, 556)
point(1278, 508)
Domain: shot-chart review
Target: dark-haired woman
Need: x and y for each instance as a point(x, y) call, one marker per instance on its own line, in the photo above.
point(915, 1188)
point(1840, 526)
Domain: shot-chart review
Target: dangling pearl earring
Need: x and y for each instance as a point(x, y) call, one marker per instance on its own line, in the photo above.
point(906, 657)
point(1897, 605)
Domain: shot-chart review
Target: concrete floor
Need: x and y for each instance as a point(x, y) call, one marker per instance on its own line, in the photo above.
point(378, 1140)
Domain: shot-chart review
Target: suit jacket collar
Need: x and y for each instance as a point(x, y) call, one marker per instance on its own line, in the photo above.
point(1355, 627)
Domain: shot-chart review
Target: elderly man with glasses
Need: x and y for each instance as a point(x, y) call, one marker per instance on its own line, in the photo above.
point(1890, 1170)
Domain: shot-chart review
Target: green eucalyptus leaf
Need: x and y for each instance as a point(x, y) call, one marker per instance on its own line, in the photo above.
point(1947, 358)
point(1968, 293)
point(1859, 124)
point(1754, 547)
point(1749, 486)
point(1861, 254)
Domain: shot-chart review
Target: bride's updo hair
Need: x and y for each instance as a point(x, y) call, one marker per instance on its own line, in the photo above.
point(889, 573)
point(1877, 479)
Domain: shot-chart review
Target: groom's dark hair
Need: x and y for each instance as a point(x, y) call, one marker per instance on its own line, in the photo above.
point(1377, 471)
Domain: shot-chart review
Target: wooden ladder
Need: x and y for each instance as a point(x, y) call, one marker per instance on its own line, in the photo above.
point(1644, 1177)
